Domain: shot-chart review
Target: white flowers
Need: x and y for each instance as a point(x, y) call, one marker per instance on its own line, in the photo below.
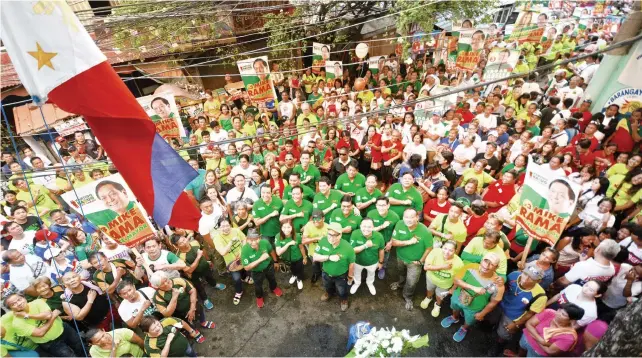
point(385, 342)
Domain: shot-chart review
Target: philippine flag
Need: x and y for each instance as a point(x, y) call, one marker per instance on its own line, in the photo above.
point(57, 60)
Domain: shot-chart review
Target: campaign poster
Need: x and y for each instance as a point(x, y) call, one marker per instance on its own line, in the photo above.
point(462, 25)
point(162, 110)
point(546, 203)
point(501, 62)
point(375, 64)
point(320, 54)
point(333, 69)
point(629, 100)
point(109, 204)
point(255, 74)
point(529, 27)
point(469, 47)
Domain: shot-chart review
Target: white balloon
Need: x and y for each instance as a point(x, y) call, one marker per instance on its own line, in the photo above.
point(361, 50)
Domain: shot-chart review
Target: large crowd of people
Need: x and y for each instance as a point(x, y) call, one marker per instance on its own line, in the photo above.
point(340, 175)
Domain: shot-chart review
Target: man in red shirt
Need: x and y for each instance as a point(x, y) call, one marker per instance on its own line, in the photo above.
point(391, 151)
point(589, 133)
point(585, 109)
point(475, 221)
point(346, 142)
point(581, 154)
point(627, 132)
point(500, 192)
point(605, 158)
point(466, 114)
point(289, 148)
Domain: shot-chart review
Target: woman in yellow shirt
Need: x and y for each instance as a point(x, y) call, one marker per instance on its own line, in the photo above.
point(212, 106)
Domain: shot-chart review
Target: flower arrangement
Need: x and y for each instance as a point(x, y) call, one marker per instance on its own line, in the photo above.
point(386, 342)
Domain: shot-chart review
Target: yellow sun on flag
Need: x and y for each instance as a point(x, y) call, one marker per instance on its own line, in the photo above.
point(44, 58)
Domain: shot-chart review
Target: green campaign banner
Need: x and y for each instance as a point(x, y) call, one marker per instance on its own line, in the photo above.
point(255, 74)
point(529, 27)
point(162, 110)
point(320, 54)
point(333, 69)
point(376, 63)
point(546, 203)
point(469, 47)
point(501, 62)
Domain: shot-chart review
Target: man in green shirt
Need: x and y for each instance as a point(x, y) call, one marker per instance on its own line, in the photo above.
point(266, 213)
point(346, 217)
point(258, 256)
point(177, 297)
point(365, 197)
point(413, 241)
point(349, 182)
point(122, 341)
point(313, 232)
point(296, 209)
point(384, 221)
point(338, 260)
point(404, 195)
point(293, 181)
point(369, 247)
point(327, 199)
point(164, 338)
point(14, 342)
point(308, 173)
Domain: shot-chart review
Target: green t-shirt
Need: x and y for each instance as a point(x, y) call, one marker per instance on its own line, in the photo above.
point(231, 160)
point(313, 98)
point(322, 202)
point(346, 257)
point(291, 208)
point(221, 241)
point(363, 196)
point(308, 194)
point(414, 252)
point(351, 220)
point(370, 255)
point(103, 279)
point(25, 327)
point(190, 256)
point(293, 253)
point(396, 192)
point(162, 298)
point(618, 168)
point(124, 336)
point(226, 123)
point(475, 251)
point(312, 172)
point(443, 278)
point(457, 230)
point(249, 255)
point(392, 218)
point(178, 346)
point(470, 275)
point(261, 209)
point(346, 185)
point(12, 336)
point(84, 250)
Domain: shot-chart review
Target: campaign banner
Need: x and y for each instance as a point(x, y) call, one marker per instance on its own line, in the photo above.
point(462, 25)
point(546, 203)
point(529, 27)
point(501, 62)
point(255, 74)
point(333, 69)
point(234, 89)
point(320, 54)
point(109, 204)
point(469, 47)
point(375, 64)
point(628, 99)
point(162, 110)
point(71, 126)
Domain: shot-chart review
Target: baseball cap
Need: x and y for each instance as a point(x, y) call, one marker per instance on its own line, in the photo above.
point(252, 233)
point(537, 113)
point(533, 272)
point(72, 148)
point(317, 214)
point(493, 133)
point(336, 227)
point(51, 252)
point(60, 139)
point(45, 235)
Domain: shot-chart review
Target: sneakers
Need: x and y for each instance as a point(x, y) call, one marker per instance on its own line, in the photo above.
point(259, 302)
point(371, 288)
point(299, 284)
point(409, 305)
point(208, 304)
point(460, 334)
point(344, 305)
point(424, 304)
point(382, 273)
point(354, 288)
point(325, 297)
point(250, 281)
point(292, 280)
point(448, 321)
point(277, 291)
point(220, 286)
point(435, 310)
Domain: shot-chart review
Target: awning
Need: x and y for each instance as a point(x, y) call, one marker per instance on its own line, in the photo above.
point(29, 119)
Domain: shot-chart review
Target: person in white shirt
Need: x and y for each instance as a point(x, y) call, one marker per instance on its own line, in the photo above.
point(23, 269)
point(241, 191)
point(573, 91)
point(243, 168)
point(558, 81)
point(22, 241)
point(434, 130)
point(552, 169)
point(286, 107)
point(599, 267)
point(44, 177)
point(530, 85)
point(312, 135)
point(615, 296)
point(218, 134)
point(583, 296)
point(487, 120)
point(392, 63)
point(464, 154)
point(588, 70)
point(565, 113)
point(136, 304)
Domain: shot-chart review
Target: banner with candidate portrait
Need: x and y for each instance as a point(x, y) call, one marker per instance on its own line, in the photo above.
point(501, 62)
point(375, 64)
point(529, 27)
point(546, 203)
point(255, 74)
point(162, 110)
point(109, 204)
point(469, 47)
point(333, 69)
point(320, 54)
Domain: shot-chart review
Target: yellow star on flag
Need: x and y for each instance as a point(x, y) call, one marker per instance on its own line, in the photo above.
point(44, 58)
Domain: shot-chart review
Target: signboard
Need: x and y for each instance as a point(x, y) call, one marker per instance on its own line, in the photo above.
point(529, 27)
point(235, 90)
point(162, 110)
point(629, 99)
point(469, 47)
point(375, 64)
point(320, 54)
point(333, 69)
point(546, 203)
point(255, 74)
point(71, 126)
point(109, 204)
point(501, 62)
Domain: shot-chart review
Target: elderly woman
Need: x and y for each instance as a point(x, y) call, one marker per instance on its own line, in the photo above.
point(87, 303)
point(228, 242)
point(550, 332)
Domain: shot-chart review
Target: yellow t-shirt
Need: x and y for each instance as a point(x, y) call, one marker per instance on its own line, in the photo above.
point(483, 178)
point(311, 231)
point(457, 230)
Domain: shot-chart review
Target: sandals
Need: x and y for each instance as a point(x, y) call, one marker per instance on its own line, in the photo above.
point(208, 324)
point(199, 337)
point(237, 298)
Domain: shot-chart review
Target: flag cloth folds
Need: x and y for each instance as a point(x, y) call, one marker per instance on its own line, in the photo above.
point(57, 60)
